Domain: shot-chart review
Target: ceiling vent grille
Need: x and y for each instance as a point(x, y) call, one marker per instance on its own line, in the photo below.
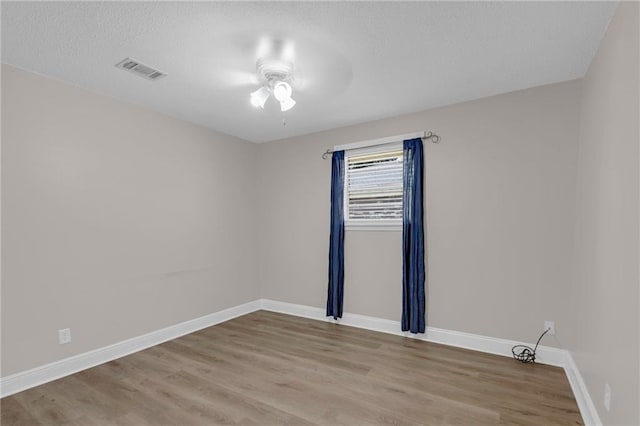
point(140, 69)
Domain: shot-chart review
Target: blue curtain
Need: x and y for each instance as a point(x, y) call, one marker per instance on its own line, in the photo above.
point(336, 239)
point(413, 299)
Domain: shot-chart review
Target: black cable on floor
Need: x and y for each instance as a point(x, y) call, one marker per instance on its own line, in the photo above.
point(524, 353)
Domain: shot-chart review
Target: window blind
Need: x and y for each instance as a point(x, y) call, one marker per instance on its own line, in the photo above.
point(374, 185)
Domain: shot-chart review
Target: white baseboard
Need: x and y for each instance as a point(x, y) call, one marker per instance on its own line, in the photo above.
point(46, 373)
point(585, 403)
point(545, 355)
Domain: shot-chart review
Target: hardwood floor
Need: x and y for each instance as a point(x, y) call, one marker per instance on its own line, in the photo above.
point(266, 368)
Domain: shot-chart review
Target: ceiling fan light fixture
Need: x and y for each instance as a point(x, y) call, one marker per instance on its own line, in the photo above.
point(259, 97)
point(282, 91)
point(276, 76)
point(287, 104)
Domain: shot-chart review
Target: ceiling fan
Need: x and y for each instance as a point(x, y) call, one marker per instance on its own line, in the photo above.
point(275, 73)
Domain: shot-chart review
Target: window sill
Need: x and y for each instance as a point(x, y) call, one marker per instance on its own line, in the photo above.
point(373, 226)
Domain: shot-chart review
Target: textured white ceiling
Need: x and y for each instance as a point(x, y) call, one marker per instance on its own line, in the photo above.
point(355, 61)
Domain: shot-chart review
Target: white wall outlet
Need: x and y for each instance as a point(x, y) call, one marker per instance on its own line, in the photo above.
point(607, 397)
point(551, 326)
point(64, 336)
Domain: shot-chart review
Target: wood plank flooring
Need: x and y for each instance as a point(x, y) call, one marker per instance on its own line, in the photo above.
point(266, 368)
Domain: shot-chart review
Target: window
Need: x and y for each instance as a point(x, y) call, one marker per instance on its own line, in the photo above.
point(373, 188)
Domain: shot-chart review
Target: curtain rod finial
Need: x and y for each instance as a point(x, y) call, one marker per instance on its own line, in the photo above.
point(430, 135)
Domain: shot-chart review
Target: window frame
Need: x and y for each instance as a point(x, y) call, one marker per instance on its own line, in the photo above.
point(368, 224)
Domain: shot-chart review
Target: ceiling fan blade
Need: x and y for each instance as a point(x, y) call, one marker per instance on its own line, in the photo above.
point(237, 78)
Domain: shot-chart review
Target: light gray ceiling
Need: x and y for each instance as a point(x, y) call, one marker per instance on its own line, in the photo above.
point(354, 61)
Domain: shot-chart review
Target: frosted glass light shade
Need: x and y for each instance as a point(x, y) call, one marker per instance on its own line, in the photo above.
point(282, 91)
point(259, 97)
point(287, 104)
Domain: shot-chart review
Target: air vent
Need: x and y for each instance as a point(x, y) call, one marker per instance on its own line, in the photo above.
point(140, 69)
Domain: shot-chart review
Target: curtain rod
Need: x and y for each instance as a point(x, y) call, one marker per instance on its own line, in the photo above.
point(382, 141)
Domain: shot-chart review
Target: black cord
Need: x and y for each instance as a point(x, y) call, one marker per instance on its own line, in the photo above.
point(524, 353)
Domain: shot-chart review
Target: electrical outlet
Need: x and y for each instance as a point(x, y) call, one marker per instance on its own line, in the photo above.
point(64, 336)
point(551, 326)
point(607, 397)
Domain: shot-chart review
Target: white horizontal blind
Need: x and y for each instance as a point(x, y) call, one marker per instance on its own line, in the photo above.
point(373, 189)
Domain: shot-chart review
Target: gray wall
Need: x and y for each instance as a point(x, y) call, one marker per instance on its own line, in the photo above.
point(500, 209)
point(116, 221)
point(603, 303)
